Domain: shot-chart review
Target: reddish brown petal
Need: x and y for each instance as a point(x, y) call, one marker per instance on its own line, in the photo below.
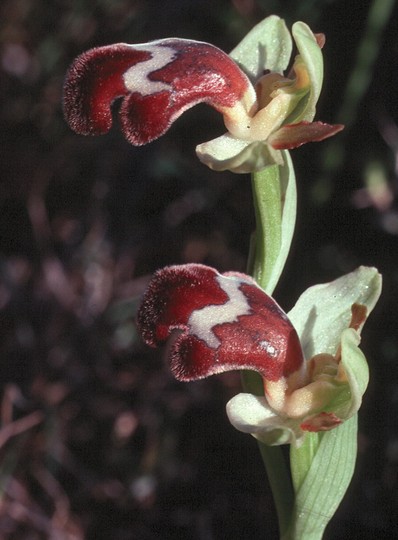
point(160, 80)
point(93, 82)
point(320, 39)
point(321, 422)
point(218, 323)
point(359, 313)
point(294, 135)
point(172, 295)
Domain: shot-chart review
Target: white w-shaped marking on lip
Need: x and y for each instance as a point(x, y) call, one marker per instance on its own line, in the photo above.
point(136, 78)
point(202, 321)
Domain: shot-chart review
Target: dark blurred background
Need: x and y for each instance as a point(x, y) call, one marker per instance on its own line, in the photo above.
point(97, 440)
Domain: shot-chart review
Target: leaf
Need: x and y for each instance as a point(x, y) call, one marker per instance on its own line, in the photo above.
point(289, 210)
point(276, 201)
point(322, 469)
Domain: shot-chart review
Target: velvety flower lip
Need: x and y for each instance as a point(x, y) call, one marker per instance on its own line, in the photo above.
point(264, 111)
point(218, 322)
point(158, 81)
point(313, 372)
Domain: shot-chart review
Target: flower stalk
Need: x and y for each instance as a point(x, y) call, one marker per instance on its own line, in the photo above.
point(269, 197)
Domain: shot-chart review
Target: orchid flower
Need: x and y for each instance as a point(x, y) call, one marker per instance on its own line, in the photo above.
point(313, 372)
point(264, 110)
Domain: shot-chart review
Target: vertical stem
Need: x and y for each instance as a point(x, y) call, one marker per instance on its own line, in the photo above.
point(266, 264)
point(281, 485)
point(275, 464)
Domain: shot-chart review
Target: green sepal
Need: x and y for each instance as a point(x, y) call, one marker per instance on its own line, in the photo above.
point(268, 46)
point(323, 311)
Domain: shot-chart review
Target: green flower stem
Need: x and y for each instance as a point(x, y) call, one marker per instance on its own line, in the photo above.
point(281, 485)
point(275, 464)
point(274, 191)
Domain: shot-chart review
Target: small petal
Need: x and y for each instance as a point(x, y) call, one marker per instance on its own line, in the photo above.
point(354, 369)
point(321, 422)
point(337, 393)
point(294, 135)
point(320, 39)
point(217, 323)
point(311, 56)
point(158, 80)
point(228, 153)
